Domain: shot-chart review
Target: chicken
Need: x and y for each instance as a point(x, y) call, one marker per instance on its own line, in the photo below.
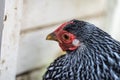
point(91, 53)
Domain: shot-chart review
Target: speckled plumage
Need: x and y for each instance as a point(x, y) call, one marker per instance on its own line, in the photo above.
point(97, 57)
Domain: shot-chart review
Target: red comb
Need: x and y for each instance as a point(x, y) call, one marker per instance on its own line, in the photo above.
point(63, 25)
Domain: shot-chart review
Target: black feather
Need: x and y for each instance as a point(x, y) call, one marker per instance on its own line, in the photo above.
point(97, 58)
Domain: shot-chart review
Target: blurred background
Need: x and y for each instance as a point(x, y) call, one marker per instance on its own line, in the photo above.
point(40, 17)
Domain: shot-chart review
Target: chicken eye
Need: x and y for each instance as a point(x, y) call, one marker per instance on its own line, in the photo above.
point(66, 37)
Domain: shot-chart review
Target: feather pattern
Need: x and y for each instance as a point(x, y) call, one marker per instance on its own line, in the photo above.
point(97, 58)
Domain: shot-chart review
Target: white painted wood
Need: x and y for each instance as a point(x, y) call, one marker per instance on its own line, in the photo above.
point(40, 12)
point(35, 51)
point(10, 38)
point(115, 26)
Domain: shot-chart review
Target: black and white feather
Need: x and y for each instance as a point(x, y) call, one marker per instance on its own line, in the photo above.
point(97, 58)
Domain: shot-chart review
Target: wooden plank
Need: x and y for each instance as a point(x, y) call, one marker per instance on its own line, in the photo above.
point(115, 19)
point(10, 38)
point(47, 11)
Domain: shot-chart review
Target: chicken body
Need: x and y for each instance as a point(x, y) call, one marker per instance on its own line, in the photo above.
point(96, 58)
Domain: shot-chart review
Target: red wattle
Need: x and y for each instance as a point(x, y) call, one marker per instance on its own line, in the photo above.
point(67, 47)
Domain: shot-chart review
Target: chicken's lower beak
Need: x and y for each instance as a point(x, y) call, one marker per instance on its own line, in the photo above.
point(51, 36)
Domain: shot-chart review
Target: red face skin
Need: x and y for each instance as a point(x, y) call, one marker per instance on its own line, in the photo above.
point(65, 38)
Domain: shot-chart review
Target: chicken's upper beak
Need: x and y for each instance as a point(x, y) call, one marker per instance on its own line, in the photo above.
point(51, 36)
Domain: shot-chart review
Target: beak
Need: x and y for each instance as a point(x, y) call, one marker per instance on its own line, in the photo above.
point(51, 36)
